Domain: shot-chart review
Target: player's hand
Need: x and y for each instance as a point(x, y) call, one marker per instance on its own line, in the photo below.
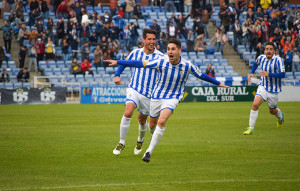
point(223, 85)
point(264, 73)
point(118, 80)
point(111, 62)
point(249, 77)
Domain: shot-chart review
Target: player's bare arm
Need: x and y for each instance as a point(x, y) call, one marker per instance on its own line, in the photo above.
point(249, 77)
point(118, 80)
point(111, 62)
point(223, 85)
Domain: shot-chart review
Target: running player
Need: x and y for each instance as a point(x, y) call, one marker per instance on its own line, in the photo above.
point(138, 91)
point(272, 67)
point(173, 73)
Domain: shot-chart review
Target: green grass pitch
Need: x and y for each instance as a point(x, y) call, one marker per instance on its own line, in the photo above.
point(69, 147)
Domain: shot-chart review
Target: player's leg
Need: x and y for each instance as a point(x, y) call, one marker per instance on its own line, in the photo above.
point(253, 114)
point(153, 124)
point(272, 103)
point(142, 131)
point(167, 108)
point(124, 127)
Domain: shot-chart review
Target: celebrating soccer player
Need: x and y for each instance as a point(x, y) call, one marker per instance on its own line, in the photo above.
point(173, 73)
point(270, 85)
point(138, 91)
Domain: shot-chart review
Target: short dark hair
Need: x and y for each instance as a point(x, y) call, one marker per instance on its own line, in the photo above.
point(271, 44)
point(148, 31)
point(175, 41)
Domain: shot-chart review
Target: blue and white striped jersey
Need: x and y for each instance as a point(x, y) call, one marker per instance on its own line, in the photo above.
point(143, 79)
point(171, 78)
point(274, 65)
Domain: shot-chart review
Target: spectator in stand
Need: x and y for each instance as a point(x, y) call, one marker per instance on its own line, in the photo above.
point(23, 75)
point(187, 6)
point(2, 55)
point(40, 50)
point(169, 5)
point(286, 44)
point(119, 21)
point(210, 71)
point(296, 61)
point(93, 39)
point(11, 17)
point(7, 35)
point(97, 56)
point(32, 18)
point(22, 56)
point(190, 41)
point(157, 28)
point(129, 8)
point(237, 33)
point(172, 31)
point(113, 6)
point(180, 24)
point(163, 41)
point(288, 60)
point(251, 15)
point(85, 19)
point(74, 42)
point(265, 32)
point(103, 44)
point(11, 5)
point(60, 32)
point(121, 11)
point(138, 13)
point(259, 50)
point(45, 9)
point(282, 20)
point(84, 33)
point(134, 35)
point(205, 20)
point(253, 39)
point(85, 51)
point(122, 55)
point(32, 58)
point(106, 19)
point(62, 10)
point(225, 17)
point(5, 77)
point(34, 4)
point(200, 44)
point(33, 36)
point(50, 50)
point(65, 49)
point(40, 27)
point(75, 67)
point(245, 33)
point(19, 14)
point(107, 55)
point(292, 18)
point(85, 67)
point(219, 40)
point(126, 36)
point(265, 4)
point(258, 14)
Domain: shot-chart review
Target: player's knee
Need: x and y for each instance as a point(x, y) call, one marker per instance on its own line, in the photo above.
point(161, 123)
point(255, 107)
point(273, 111)
point(142, 121)
point(128, 114)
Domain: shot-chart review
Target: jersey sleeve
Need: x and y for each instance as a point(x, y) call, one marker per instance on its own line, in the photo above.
point(154, 63)
point(281, 68)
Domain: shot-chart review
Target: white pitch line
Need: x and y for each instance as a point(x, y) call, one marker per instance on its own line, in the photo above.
point(147, 183)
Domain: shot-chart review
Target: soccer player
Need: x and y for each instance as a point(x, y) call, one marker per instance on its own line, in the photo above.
point(272, 67)
point(173, 73)
point(138, 91)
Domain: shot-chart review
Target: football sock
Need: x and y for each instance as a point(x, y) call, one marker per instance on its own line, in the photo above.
point(158, 133)
point(142, 131)
point(124, 127)
point(152, 130)
point(253, 118)
point(279, 114)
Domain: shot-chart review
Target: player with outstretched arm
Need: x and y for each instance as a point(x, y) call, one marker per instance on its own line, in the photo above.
point(273, 71)
point(139, 91)
point(173, 71)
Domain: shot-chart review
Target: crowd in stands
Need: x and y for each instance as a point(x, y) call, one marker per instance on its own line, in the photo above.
point(87, 34)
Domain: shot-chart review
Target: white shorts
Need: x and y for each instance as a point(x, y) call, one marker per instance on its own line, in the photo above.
point(270, 98)
point(141, 102)
point(157, 105)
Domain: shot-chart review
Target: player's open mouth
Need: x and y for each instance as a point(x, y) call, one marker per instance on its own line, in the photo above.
point(171, 56)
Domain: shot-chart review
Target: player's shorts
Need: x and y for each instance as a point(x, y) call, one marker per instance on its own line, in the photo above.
point(270, 98)
point(157, 105)
point(141, 102)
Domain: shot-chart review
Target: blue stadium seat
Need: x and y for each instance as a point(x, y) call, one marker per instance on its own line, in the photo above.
point(89, 78)
point(218, 55)
point(48, 72)
point(18, 85)
point(94, 84)
point(26, 85)
point(97, 77)
point(57, 71)
point(206, 61)
point(85, 84)
point(71, 78)
point(198, 62)
point(246, 56)
point(79, 78)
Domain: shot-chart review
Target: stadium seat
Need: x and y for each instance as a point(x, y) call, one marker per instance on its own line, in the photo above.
point(218, 55)
point(18, 85)
point(246, 56)
point(94, 84)
point(206, 61)
point(71, 78)
point(26, 85)
point(48, 72)
point(97, 77)
point(85, 84)
point(198, 62)
point(79, 78)
point(89, 78)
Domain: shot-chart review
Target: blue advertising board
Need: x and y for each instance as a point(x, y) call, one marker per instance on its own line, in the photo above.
point(105, 94)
